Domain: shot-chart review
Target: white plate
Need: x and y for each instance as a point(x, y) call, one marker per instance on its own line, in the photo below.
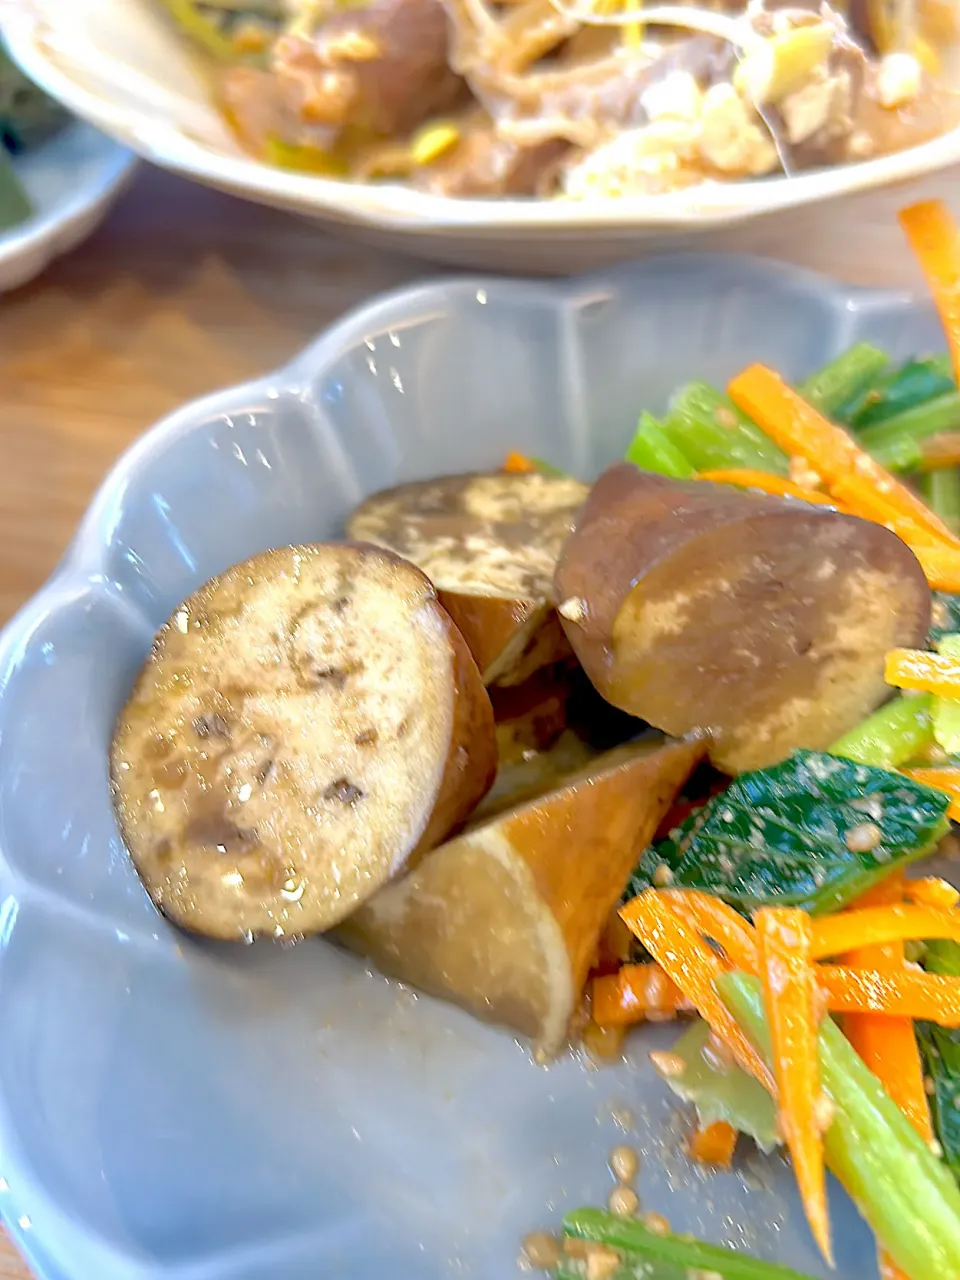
point(118, 64)
point(72, 180)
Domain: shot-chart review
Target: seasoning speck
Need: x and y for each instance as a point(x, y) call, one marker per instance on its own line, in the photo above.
point(624, 1202)
point(656, 1223)
point(863, 838)
point(573, 609)
point(668, 1064)
point(539, 1252)
point(624, 1163)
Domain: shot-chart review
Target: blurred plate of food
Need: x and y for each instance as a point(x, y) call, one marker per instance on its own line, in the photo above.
point(58, 177)
point(461, 129)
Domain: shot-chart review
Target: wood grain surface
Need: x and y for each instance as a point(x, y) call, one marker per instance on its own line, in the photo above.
point(185, 290)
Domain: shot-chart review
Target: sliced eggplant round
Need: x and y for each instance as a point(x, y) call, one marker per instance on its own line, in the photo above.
point(490, 544)
point(306, 725)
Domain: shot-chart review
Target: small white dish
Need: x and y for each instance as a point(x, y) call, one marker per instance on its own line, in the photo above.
point(120, 65)
point(72, 179)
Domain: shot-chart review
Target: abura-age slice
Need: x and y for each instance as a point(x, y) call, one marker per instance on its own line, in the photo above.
point(306, 725)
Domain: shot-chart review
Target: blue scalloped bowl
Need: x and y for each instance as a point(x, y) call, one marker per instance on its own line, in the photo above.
point(177, 1111)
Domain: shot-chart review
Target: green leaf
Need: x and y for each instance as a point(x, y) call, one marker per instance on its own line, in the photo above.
point(942, 956)
point(721, 1091)
point(777, 837)
point(940, 1047)
point(913, 383)
point(15, 206)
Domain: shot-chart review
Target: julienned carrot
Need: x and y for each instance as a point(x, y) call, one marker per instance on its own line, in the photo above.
point(935, 239)
point(789, 983)
point(925, 672)
point(714, 919)
point(714, 1145)
point(636, 993)
point(946, 780)
point(889, 1045)
point(910, 994)
point(876, 926)
point(746, 478)
point(931, 892)
point(941, 565)
point(695, 967)
point(861, 497)
point(798, 428)
point(518, 463)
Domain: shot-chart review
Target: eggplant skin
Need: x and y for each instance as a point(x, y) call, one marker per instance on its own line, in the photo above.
point(305, 727)
point(762, 622)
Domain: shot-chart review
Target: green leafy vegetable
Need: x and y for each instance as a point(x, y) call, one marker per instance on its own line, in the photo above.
point(712, 433)
point(912, 384)
point(638, 1245)
point(844, 380)
point(897, 442)
point(652, 450)
point(941, 1059)
point(777, 836)
point(905, 1193)
point(942, 956)
point(720, 1092)
point(941, 489)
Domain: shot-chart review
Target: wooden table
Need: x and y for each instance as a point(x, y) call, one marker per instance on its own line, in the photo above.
point(185, 290)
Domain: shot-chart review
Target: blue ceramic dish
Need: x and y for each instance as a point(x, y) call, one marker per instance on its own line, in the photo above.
point(177, 1111)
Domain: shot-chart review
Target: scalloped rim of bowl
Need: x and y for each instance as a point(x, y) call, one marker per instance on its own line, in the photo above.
point(396, 207)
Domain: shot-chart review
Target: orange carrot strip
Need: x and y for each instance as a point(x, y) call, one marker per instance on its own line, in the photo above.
point(694, 967)
point(910, 994)
point(927, 672)
point(746, 478)
point(953, 810)
point(636, 993)
point(946, 780)
point(935, 239)
point(791, 998)
point(798, 428)
point(517, 462)
point(889, 1045)
point(714, 1145)
point(714, 919)
point(941, 565)
point(876, 926)
point(931, 892)
point(862, 498)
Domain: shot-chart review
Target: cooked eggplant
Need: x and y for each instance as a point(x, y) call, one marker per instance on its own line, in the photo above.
point(505, 920)
point(306, 725)
point(760, 621)
point(490, 544)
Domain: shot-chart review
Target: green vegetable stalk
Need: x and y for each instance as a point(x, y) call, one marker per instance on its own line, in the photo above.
point(844, 379)
point(913, 384)
point(655, 1256)
point(902, 1189)
point(778, 836)
point(899, 731)
point(712, 433)
point(651, 449)
point(942, 492)
point(896, 443)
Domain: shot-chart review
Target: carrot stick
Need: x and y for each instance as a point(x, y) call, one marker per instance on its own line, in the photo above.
point(927, 672)
point(941, 565)
point(714, 1145)
point(889, 1045)
point(877, 926)
point(694, 967)
point(746, 478)
point(862, 498)
point(636, 993)
point(798, 428)
point(518, 463)
point(910, 994)
point(931, 892)
point(945, 780)
point(714, 919)
point(935, 239)
point(790, 995)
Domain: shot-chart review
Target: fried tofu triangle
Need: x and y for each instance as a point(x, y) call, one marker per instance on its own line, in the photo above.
point(307, 724)
point(761, 621)
point(490, 544)
point(505, 919)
